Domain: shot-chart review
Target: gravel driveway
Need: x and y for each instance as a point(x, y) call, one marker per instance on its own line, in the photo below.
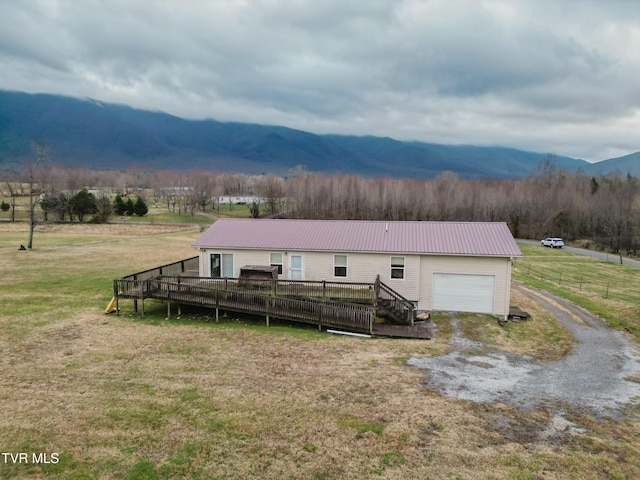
point(601, 375)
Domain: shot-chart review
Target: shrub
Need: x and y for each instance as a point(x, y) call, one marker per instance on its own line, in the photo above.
point(140, 208)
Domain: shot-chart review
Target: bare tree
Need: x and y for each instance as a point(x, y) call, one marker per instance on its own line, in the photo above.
point(11, 190)
point(273, 193)
point(40, 152)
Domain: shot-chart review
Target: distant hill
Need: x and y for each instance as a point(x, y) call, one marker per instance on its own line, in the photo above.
point(623, 165)
point(97, 135)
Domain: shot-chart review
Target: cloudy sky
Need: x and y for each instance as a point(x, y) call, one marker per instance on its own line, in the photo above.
point(543, 75)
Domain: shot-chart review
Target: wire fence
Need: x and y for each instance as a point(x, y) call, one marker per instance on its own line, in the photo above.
point(625, 287)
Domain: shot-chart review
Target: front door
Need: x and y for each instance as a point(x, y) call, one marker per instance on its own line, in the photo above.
point(295, 267)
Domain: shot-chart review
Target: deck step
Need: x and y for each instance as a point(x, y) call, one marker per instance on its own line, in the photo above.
point(423, 330)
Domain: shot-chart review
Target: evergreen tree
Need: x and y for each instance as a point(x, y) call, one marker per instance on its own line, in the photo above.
point(4, 206)
point(129, 207)
point(119, 206)
point(83, 203)
point(254, 209)
point(140, 208)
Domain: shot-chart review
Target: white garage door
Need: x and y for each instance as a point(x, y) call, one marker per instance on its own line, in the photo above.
point(463, 293)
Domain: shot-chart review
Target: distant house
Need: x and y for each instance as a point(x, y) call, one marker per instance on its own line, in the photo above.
point(239, 200)
point(442, 266)
point(177, 191)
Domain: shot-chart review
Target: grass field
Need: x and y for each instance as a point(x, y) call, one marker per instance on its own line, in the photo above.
point(120, 397)
point(610, 290)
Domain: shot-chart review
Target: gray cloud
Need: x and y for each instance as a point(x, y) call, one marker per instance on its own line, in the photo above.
point(555, 76)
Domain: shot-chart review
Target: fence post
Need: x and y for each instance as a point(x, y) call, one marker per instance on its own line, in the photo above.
point(168, 302)
point(178, 292)
point(115, 294)
point(217, 300)
point(268, 309)
point(371, 314)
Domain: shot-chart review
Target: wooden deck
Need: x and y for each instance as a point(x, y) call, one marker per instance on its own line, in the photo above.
point(349, 306)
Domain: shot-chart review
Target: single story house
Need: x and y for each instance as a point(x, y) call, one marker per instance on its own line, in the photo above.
point(442, 266)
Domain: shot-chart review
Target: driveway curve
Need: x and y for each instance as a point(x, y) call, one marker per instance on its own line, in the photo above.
point(601, 375)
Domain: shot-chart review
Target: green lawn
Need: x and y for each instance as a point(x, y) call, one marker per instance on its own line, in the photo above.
point(608, 289)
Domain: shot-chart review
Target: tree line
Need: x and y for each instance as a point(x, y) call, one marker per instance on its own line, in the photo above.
point(602, 210)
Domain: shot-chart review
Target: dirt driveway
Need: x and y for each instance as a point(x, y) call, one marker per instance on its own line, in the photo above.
point(601, 375)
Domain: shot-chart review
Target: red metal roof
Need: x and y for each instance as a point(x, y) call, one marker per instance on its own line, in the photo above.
point(436, 238)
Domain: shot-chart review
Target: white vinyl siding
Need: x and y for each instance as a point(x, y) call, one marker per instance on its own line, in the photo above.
point(417, 284)
point(463, 293)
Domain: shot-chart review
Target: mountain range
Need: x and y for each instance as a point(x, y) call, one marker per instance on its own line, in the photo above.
point(105, 136)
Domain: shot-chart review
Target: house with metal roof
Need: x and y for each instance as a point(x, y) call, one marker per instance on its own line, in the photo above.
point(439, 266)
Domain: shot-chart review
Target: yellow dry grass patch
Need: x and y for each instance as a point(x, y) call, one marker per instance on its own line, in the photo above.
point(123, 397)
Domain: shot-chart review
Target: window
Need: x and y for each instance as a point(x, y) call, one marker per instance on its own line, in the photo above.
point(275, 260)
point(221, 265)
point(397, 267)
point(339, 265)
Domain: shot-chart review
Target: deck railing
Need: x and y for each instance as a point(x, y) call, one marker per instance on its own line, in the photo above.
point(353, 292)
point(174, 268)
point(336, 304)
point(404, 309)
point(228, 295)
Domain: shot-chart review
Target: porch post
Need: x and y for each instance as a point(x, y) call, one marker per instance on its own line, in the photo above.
point(217, 303)
point(168, 302)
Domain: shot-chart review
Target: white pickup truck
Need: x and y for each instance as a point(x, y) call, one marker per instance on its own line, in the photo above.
point(553, 242)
